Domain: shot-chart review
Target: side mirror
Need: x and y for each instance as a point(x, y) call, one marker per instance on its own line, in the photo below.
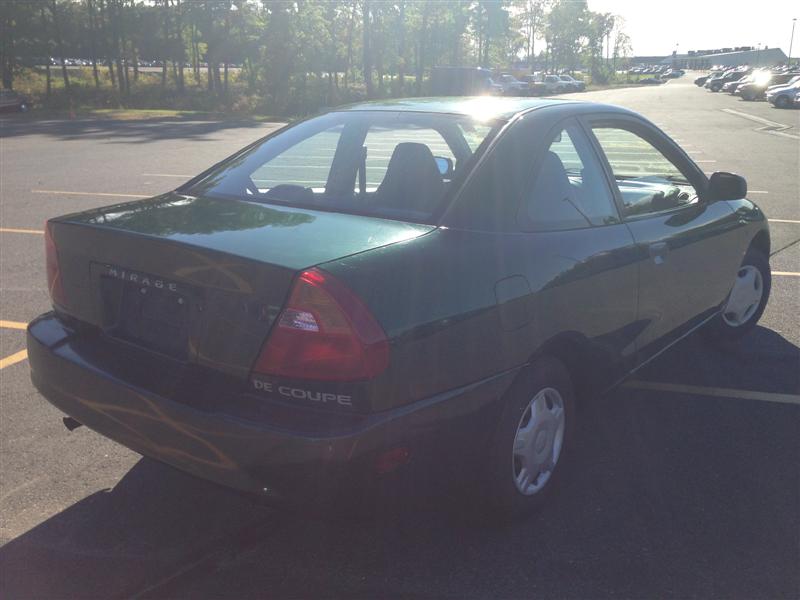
point(726, 186)
point(445, 166)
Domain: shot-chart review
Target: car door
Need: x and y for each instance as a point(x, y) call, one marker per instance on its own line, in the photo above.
point(688, 255)
point(582, 258)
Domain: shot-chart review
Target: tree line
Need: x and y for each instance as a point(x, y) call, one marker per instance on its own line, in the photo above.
point(322, 50)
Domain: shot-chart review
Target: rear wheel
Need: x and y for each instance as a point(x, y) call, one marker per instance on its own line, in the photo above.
point(783, 102)
point(746, 301)
point(532, 441)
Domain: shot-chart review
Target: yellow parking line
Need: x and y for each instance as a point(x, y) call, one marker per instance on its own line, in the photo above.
point(13, 359)
point(15, 230)
point(64, 192)
point(13, 325)
point(714, 391)
point(786, 274)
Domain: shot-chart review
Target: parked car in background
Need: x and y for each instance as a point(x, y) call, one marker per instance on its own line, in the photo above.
point(463, 81)
point(758, 88)
point(729, 87)
point(573, 85)
point(13, 101)
point(701, 81)
point(536, 86)
point(783, 96)
point(511, 86)
point(554, 85)
point(673, 74)
point(715, 84)
point(293, 322)
point(797, 99)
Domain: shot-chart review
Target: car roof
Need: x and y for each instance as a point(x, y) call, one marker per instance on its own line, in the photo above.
point(483, 107)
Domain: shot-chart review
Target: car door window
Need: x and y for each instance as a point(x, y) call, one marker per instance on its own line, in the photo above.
point(648, 181)
point(570, 190)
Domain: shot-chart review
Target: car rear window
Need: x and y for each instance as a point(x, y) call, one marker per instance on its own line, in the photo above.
point(398, 165)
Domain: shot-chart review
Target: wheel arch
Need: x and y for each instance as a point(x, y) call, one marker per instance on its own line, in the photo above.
point(574, 351)
point(761, 242)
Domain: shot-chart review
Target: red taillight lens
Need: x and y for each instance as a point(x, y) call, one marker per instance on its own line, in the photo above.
point(325, 332)
point(54, 285)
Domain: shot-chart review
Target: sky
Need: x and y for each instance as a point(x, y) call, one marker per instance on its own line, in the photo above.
point(656, 27)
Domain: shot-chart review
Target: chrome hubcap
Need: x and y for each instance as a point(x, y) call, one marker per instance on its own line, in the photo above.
point(745, 297)
point(538, 442)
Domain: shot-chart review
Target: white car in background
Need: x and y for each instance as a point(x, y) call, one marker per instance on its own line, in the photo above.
point(783, 96)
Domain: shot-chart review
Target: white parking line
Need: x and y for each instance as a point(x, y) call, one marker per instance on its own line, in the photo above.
point(166, 175)
point(757, 192)
point(786, 274)
point(783, 221)
point(69, 193)
point(770, 127)
point(713, 391)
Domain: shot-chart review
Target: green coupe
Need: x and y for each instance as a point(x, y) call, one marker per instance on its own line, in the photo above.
point(392, 287)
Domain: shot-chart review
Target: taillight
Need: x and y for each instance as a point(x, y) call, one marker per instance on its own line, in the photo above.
point(54, 286)
point(325, 333)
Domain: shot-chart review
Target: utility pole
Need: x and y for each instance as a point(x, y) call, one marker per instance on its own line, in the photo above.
point(791, 41)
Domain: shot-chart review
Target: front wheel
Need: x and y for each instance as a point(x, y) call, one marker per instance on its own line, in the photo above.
point(532, 441)
point(783, 102)
point(746, 301)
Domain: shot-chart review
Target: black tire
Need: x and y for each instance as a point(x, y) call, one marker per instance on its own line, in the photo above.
point(720, 329)
point(783, 102)
point(502, 495)
point(748, 96)
point(23, 107)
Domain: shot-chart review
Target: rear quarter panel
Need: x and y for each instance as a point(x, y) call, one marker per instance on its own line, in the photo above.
point(437, 299)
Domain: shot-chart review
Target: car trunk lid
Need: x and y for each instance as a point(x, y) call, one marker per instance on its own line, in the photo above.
point(201, 280)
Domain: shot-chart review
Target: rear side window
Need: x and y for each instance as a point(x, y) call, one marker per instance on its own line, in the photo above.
point(570, 190)
point(305, 164)
point(381, 142)
point(397, 165)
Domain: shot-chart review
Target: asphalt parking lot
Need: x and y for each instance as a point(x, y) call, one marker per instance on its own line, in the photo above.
point(686, 481)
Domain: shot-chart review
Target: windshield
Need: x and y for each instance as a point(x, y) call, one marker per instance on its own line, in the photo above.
point(396, 165)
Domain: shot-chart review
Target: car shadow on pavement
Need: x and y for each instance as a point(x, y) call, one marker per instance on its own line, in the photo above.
point(121, 131)
point(669, 495)
point(762, 361)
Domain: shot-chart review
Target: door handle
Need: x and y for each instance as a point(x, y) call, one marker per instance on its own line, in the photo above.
point(658, 252)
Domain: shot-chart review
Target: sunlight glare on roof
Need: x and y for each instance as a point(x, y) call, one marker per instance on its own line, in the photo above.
point(484, 108)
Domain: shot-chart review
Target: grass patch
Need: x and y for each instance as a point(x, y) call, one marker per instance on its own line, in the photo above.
point(140, 114)
point(164, 100)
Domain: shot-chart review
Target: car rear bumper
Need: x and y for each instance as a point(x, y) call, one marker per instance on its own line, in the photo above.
point(221, 433)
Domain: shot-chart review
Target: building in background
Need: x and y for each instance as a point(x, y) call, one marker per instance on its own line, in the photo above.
point(725, 57)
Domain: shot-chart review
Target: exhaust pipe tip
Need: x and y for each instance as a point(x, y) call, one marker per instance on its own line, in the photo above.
point(71, 423)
